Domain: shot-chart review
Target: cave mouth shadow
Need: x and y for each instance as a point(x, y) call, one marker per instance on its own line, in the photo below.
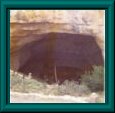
point(60, 56)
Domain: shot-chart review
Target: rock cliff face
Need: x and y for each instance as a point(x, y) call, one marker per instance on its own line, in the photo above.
point(28, 28)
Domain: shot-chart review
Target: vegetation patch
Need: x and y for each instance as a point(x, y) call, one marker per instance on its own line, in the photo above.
point(94, 80)
point(90, 82)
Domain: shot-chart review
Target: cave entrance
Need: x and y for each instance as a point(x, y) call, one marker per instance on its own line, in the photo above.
point(58, 57)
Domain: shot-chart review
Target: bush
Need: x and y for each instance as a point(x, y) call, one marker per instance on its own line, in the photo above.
point(72, 88)
point(95, 80)
point(20, 83)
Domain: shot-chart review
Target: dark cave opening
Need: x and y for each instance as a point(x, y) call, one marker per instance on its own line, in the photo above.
point(61, 56)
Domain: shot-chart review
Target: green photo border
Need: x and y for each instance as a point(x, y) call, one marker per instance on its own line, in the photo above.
point(6, 6)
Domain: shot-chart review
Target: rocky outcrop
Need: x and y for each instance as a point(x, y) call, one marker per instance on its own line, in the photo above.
point(28, 28)
point(24, 23)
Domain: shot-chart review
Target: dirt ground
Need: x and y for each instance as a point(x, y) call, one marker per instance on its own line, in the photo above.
point(16, 97)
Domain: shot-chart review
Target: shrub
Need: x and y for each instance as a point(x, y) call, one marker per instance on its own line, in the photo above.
point(95, 80)
point(72, 88)
point(20, 83)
